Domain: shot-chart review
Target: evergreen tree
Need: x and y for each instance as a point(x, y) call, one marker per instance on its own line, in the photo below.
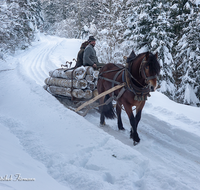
point(142, 23)
point(111, 30)
point(179, 12)
point(87, 15)
point(19, 23)
point(149, 28)
point(72, 18)
point(161, 41)
point(51, 14)
point(188, 58)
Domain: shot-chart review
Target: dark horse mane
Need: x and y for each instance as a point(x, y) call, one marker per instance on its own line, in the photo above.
point(152, 62)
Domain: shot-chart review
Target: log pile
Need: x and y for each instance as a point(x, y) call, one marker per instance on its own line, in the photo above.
point(80, 83)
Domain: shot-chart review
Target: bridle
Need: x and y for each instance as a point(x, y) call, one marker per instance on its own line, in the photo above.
point(143, 74)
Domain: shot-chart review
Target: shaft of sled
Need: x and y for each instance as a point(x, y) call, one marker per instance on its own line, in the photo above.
point(99, 96)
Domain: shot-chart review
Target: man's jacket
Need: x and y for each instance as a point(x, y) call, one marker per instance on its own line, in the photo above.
point(89, 56)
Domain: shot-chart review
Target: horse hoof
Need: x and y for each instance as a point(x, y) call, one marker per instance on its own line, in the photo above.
point(135, 143)
point(103, 124)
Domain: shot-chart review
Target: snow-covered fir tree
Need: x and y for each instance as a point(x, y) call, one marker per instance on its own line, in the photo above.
point(149, 28)
point(140, 25)
point(111, 29)
point(188, 58)
point(178, 19)
point(161, 41)
point(18, 23)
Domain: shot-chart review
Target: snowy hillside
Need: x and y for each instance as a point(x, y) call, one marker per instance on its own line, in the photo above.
point(47, 146)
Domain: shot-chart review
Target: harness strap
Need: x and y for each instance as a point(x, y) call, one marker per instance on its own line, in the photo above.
point(108, 100)
point(109, 71)
point(123, 77)
point(115, 98)
point(110, 80)
point(115, 77)
point(121, 92)
point(121, 68)
point(113, 81)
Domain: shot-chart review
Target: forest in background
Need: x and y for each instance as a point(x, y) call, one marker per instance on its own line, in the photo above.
point(171, 28)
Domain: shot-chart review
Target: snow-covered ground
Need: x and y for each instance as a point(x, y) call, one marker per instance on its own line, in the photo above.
point(47, 146)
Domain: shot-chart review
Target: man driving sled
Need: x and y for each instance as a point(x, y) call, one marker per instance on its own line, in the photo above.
point(89, 56)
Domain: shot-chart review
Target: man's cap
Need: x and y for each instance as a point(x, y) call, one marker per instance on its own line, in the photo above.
point(91, 38)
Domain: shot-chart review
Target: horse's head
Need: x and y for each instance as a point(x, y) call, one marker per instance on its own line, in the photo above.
point(150, 69)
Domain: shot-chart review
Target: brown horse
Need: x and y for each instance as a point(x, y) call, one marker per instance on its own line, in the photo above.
point(140, 78)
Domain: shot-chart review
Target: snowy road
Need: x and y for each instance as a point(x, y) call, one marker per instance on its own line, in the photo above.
point(168, 156)
point(172, 153)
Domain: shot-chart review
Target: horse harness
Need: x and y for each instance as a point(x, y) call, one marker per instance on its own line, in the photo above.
point(141, 93)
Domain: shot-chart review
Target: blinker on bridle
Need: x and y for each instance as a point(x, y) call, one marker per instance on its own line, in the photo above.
point(142, 72)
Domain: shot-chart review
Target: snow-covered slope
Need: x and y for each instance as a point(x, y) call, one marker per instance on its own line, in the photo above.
point(54, 148)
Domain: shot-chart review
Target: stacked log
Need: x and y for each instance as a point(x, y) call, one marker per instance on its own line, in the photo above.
point(80, 83)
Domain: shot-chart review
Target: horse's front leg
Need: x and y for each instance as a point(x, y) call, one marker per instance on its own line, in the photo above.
point(119, 119)
point(139, 108)
point(133, 122)
point(133, 133)
point(138, 117)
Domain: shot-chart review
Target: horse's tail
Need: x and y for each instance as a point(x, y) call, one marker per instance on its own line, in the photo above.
point(108, 110)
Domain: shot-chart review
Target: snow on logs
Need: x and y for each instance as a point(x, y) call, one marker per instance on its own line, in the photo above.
point(83, 80)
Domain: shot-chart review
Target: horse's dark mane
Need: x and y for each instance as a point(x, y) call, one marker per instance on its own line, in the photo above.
point(154, 65)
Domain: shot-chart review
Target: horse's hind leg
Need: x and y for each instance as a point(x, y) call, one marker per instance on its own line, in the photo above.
point(119, 119)
point(101, 89)
point(102, 117)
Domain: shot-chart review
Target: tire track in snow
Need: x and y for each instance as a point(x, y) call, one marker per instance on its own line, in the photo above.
point(173, 150)
point(37, 63)
point(179, 152)
point(35, 69)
